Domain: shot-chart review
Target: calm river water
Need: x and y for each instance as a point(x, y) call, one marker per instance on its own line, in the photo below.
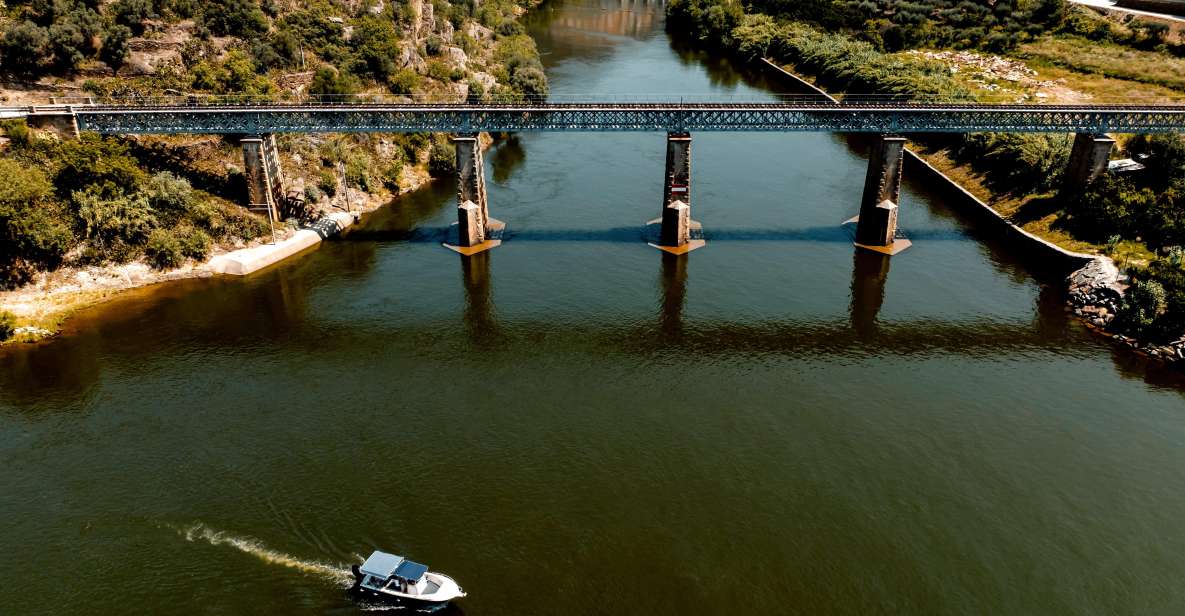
point(577, 425)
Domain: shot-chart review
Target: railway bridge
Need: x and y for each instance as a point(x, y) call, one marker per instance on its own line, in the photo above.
point(259, 121)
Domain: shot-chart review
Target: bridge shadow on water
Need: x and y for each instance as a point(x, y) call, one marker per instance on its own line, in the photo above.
point(637, 234)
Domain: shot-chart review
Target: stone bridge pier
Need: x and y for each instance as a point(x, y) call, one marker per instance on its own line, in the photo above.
point(675, 232)
point(876, 226)
point(265, 178)
point(1088, 160)
point(475, 230)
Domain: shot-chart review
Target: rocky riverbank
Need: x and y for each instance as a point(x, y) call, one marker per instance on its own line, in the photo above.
point(1096, 295)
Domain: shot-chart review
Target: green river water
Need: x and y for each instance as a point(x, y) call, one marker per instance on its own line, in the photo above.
point(576, 424)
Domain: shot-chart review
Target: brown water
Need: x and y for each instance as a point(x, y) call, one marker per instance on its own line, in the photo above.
point(576, 424)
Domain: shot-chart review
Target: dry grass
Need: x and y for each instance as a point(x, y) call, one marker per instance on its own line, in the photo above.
point(1044, 226)
point(1098, 59)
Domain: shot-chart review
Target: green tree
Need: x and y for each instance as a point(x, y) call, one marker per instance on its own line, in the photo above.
point(94, 161)
point(531, 81)
point(133, 14)
point(31, 223)
point(376, 46)
point(25, 46)
point(115, 48)
point(330, 83)
point(241, 18)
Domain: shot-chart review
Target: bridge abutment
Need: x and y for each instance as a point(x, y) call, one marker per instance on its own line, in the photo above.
point(876, 226)
point(1088, 160)
point(475, 230)
point(676, 232)
point(265, 180)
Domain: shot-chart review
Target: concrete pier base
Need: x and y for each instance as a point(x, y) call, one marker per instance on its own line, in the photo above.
point(675, 232)
point(474, 230)
point(876, 226)
point(1088, 160)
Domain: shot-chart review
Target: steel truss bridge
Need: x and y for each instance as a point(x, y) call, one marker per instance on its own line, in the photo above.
point(312, 117)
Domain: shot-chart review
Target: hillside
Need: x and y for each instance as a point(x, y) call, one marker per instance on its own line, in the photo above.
point(77, 205)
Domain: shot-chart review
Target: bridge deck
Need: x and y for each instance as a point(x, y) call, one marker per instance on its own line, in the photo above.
point(783, 116)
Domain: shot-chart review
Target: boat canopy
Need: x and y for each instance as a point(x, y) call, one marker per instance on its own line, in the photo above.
point(382, 564)
point(411, 572)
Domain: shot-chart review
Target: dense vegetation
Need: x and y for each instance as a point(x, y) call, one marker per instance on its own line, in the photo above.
point(94, 201)
point(858, 47)
point(352, 46)
point(90, 201)
point(893, 25)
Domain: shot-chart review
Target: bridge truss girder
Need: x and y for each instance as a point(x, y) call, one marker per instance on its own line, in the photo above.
point(774, 117)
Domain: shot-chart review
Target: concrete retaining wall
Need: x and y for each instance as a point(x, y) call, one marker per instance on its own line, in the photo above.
point(250, 260)
point(795, 80)
point(961, 198)
point(957, 196)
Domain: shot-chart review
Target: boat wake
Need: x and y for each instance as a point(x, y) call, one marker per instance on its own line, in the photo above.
point(339, 574)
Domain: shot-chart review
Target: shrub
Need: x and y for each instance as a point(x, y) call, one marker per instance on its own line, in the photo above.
point(241, 18)
point(531, 82)
point(1023, 163)
point(195, 244)
point(442, 160)
point(133, 14)
point(17, 131)
point(115, 47)
point(115, 219)
point(358, 170)
point(442, 71)
point(32, 231)
point(1144, 302)
point(24, 47)
point(163, 250)
point(170, 194)
point(7, 325)
point(376, 46)
point(331, 83)
point(404, 81)
point(312, 194)
point(327, 182)
point(433, 46)
point(391, 175)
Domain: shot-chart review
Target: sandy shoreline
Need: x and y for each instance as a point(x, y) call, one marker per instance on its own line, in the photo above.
point(44, 305)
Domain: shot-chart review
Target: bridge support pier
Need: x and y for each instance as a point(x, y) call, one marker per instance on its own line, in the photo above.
point(265, 180)
point(475, 231)
point(876, 226)
point(1088, 160)
point(675, 232)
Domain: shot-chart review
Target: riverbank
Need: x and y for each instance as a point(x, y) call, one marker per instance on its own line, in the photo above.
point(1095, 285)
point(440, 51)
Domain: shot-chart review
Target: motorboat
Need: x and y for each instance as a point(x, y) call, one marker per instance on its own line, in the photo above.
point(395, 578)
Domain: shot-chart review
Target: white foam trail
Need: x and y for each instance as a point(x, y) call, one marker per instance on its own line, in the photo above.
point(335, 573)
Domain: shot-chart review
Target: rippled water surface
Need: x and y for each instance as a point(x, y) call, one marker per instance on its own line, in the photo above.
point(576, 424)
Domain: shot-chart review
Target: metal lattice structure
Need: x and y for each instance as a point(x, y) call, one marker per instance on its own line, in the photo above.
point(786, 117)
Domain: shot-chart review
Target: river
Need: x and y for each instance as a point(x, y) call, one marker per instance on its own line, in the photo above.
point(576, 424)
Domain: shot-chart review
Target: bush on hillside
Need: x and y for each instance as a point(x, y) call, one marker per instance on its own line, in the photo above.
point(195, 244)
point(241, 18)
point(111, 221)
point(7, 325)
point(442, 160)
point(163, 250)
